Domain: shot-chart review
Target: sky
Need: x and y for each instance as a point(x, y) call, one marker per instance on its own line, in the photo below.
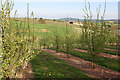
point(64, 8)
point(65, 0)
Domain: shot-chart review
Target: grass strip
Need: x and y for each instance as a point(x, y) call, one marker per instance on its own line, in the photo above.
point(45, 65)
point(107, 51)
point(112, 52)
point(99, 60)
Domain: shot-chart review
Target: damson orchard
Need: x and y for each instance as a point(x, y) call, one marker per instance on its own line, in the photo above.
point(43, 48)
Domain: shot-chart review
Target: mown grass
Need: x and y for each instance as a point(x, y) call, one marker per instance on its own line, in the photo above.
point(107, 51)
point(111, 47)
point(99, 60)
point(112, 52)
point(45, 65)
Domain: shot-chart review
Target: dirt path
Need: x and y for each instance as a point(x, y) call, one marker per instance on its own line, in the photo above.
point(113, 46)
point(102, 54)
point(28, 73)
point(98, 72)
point(112, 49)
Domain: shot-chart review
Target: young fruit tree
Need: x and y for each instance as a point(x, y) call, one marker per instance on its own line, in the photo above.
point(94, 34)
point(0, 47)
point(16, 48)
point(57, 39)
point(68, 40)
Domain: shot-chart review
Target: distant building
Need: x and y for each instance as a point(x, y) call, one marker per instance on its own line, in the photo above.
point(78, 23)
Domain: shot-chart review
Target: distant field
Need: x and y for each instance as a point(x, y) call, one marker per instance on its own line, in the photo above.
point(50, 27)
point(48, 22)
point(44, 29)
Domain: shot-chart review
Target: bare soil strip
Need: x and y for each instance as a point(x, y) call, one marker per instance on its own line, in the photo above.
point(109, 56)
point(28, 73)
point(86, 66)
point(112, 49)
point(102, 54)
point(112, 46)
point(44, 30)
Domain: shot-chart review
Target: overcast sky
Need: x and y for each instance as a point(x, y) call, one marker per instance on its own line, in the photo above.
point(64, 8)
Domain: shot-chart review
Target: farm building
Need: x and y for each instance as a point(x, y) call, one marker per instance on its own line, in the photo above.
point(78, 23)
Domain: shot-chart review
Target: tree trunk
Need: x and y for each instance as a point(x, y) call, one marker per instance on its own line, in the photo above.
point(93, 58)
point(68, 51)
point(93, 52)
point(44, 46)
point(47, 46)
point(40, 46)
point(57, 46)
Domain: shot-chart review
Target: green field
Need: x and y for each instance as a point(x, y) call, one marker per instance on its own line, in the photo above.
point(46, 66)
point(38, 32)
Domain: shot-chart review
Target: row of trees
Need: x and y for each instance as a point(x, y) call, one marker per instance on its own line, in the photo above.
point(94, 36)
point(17, 48)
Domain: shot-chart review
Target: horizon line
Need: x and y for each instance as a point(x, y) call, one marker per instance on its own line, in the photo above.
point(70, 17)
point(67, 1)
